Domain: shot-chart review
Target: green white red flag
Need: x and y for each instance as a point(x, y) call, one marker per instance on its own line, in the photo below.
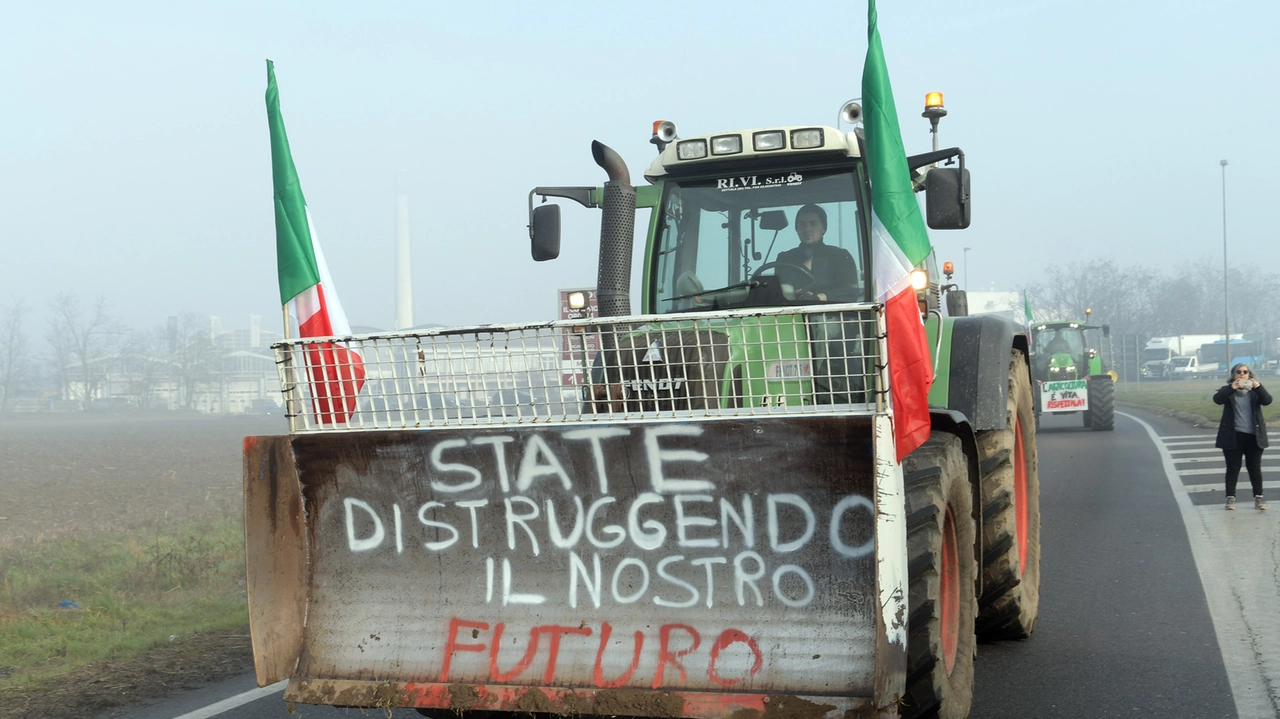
point(335, 374)
point(899, 243)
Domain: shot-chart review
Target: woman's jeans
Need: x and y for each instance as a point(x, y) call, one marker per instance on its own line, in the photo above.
point(1248, 449)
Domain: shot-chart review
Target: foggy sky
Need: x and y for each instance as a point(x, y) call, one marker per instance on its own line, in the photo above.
point(136, 163)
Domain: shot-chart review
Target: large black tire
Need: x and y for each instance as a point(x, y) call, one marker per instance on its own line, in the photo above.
point(940, 539)
point(1102, 403)
point(1088, 419)
point(1010, 600)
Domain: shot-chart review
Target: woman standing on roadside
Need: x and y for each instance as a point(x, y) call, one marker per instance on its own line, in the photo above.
point(1242, 433)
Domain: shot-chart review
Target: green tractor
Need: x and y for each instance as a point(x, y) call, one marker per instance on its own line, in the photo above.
point(713, 485)
point(1067, 369)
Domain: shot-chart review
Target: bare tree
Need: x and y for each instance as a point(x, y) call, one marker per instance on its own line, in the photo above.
point(77, 337)
point(1146, 301)
point(1119, 296)
point(193, 356)
point(142, 364)
point(13, 352)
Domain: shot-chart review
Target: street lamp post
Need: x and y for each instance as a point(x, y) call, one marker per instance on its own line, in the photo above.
point(1226, 311)
point(966, 268)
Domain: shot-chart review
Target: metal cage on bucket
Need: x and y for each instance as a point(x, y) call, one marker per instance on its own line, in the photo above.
point(654, 367)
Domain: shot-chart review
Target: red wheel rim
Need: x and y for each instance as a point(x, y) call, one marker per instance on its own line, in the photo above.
point(949, 592)
point(1020, 493)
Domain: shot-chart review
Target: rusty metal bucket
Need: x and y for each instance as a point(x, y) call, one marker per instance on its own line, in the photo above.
point(685, 568)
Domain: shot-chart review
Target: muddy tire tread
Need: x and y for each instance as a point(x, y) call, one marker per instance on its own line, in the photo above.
point(937, 476)
point(1010, 600)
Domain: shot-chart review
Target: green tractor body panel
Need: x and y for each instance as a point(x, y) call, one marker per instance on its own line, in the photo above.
point(782, 360)
point(938, 330)
point(1062, 367)
point(1095, 366)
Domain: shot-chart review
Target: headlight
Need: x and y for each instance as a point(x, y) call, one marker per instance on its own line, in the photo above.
point(726, 145)
point(1093, 353)
point(771, 140)
point(919, 280)
point(805, 139)
point(691, 149)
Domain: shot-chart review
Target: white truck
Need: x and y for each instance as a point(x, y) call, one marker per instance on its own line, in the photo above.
point(1159, 354)
point(1187, 367)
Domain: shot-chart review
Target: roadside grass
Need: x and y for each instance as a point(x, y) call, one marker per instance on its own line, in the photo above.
point(135, 590)
point(1192, 396)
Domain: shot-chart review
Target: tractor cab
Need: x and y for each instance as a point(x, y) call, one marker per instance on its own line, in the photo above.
point(1065, 350)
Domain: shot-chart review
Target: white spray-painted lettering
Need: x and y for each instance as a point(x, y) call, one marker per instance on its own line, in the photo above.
point(547, 503)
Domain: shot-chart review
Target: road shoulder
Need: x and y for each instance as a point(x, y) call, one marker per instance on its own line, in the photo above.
point(1237, 555)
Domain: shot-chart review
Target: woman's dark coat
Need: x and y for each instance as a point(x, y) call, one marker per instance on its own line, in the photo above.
point(1258, 397)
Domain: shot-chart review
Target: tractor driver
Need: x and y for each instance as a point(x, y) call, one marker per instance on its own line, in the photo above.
point(1057, 345)
point(832, 268)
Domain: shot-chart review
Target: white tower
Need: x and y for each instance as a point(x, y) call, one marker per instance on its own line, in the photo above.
point(404, 280)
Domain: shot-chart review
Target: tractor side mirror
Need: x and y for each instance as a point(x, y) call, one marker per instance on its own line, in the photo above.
point(774, 220)
point(544, 233)
point(946, 197)
point(1106, 330)
point(957, 303)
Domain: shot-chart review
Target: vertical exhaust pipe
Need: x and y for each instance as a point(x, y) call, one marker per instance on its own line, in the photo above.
point(617, 232)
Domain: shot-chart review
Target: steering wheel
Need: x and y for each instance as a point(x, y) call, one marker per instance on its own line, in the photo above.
point(806, 275)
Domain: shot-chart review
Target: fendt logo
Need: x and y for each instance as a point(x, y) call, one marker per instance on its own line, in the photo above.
point(653, 386)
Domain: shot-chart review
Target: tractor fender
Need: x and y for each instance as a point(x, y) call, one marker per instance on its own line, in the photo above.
point(952, 422)
point(979, 376)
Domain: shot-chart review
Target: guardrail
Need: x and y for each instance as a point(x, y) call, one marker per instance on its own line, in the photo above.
point(735, 363)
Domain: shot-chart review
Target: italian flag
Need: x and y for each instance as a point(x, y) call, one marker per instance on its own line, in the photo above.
point(335, 374)
point(899, 243)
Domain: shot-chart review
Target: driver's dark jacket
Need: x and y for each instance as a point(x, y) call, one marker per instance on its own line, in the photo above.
point(834, 271)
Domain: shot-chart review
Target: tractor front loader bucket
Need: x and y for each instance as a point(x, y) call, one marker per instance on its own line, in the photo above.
point(677, 568)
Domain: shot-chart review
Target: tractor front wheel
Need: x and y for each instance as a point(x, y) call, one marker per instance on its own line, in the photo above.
point(1010, 600)
point(942, 571)
point(1101, 415)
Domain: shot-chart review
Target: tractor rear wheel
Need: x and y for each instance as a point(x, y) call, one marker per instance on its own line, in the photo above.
point(941, 532)
point(1010, 600)
point(1102, 403)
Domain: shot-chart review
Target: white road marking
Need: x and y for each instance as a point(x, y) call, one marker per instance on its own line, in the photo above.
point(1244, 491)
point(230, 703)
point(1237, 555)
point(1221, 471)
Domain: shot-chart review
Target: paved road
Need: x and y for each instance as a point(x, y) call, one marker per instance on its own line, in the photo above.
point(1125, 628)
point(1155, 601)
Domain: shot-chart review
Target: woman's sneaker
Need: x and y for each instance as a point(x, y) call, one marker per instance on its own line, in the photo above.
point(1231, 503)
point(1259, 502)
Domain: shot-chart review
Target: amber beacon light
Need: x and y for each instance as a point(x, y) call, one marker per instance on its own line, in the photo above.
point(933, 111)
